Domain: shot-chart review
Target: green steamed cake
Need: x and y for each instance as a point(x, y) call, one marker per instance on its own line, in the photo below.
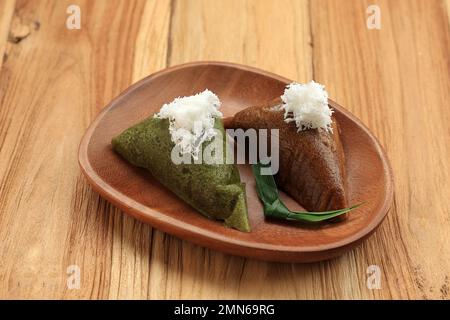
point(215, 190)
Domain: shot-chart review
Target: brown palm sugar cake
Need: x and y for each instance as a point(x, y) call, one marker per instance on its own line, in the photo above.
point(311, 157)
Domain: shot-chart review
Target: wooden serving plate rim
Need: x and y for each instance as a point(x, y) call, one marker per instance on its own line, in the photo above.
point(199, 235)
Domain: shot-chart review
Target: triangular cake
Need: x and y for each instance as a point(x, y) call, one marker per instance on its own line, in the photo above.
point(215, 190)
point(311, 162)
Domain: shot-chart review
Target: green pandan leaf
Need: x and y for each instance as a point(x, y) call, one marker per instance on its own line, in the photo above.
point(275, 208)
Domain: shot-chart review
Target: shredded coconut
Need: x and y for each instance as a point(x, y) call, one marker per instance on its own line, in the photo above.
point(191, 120)
point(307, 105)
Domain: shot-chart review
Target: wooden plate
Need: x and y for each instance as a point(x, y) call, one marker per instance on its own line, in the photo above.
point(369, 176)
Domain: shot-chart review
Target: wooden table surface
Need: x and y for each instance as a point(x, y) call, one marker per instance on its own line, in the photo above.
point(54, 81)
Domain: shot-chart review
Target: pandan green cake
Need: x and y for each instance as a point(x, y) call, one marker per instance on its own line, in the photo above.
point(215, 190)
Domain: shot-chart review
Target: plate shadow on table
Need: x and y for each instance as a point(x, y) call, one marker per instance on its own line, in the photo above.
point(193, 263)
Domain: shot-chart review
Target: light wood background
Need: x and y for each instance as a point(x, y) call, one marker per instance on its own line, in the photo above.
point(53, 82)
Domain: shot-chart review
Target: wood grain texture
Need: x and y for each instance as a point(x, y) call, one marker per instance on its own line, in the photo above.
point(400, 89)
point(54, 81)
point(6, 14)
point(53, 84)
